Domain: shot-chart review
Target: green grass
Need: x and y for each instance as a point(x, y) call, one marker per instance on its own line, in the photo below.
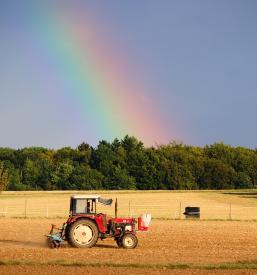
point(219, 266)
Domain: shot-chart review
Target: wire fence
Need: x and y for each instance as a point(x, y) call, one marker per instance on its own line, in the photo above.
point(164, 209)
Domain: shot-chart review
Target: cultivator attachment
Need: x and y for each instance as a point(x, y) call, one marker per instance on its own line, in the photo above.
point(56, 236)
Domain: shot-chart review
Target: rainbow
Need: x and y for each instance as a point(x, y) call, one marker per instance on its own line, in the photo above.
point(95, 81)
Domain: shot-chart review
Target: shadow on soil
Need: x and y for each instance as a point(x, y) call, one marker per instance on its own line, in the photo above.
point(24, 244)
point(106, 246)
point(21, 243)
point(250, 195)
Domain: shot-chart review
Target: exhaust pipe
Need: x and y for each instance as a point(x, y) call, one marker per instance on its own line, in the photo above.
point(116, 208)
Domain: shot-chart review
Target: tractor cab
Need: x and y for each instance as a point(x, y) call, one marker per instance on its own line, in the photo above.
point(86, 204)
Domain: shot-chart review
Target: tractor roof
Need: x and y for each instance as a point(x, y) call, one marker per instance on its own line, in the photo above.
point(86, 196)
point(96, 197)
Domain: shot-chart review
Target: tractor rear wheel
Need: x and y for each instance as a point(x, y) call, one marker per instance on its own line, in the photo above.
point(67, 233)
point(129, 241)
point(83, 233)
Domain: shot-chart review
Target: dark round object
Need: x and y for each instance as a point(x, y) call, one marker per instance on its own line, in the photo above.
point(83, 233)
point(129, 241)
point(192, 210)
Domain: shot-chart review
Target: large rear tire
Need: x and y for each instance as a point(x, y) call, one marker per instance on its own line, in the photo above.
point(129, 241)
point(83, 233)
point(67, 233)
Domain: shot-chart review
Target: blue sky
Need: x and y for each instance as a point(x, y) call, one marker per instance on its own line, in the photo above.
point(198, 57)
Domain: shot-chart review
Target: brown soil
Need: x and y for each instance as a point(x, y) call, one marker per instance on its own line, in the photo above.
point(46, 270)
point(196, 242)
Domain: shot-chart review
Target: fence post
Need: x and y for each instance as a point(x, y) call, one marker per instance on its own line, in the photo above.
point(230, 212)
point(180, 210)
point(25, 210)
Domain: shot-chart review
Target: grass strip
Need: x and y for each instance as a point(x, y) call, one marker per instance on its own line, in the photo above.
point(220, 266)
point(234, 265)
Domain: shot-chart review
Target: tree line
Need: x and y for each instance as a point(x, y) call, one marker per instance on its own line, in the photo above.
point(128, 164)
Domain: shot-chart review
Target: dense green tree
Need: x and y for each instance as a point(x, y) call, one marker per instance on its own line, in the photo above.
point(83, 153)
point(119, 179)
point(85, 178)
point(131, 144)
point(8, 154)
point(243, 180)
point(15, 183)
point(46, 169)
point(217, 175)
point(127, 164)
point(4, 180)
point(104, 158)
point(31, 172)
point(61, 175)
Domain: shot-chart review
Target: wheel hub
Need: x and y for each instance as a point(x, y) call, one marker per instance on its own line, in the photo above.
point(128, 241)
point(83, 234)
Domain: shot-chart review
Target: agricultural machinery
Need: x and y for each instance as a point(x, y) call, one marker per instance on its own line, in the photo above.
point(85, 226)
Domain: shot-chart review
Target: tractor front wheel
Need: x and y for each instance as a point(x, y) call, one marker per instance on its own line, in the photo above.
point(129, 241)
point(83, 233)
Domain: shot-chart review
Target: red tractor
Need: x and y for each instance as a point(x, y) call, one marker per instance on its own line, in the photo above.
point(84, 225)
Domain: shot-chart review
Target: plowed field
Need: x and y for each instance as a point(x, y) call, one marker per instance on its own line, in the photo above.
point(196, 243)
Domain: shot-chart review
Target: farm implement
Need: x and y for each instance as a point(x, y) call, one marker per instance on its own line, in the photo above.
point(85, 226)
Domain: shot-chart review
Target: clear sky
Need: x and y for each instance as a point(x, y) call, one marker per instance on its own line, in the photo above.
point(73, 71)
